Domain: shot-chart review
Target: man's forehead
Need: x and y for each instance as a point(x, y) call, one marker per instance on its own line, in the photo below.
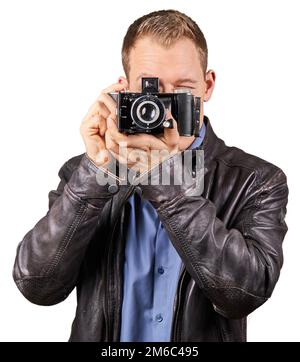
point(178, 62)
point(172, 77)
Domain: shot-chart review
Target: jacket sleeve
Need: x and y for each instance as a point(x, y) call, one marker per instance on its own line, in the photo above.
point(236, 268)
point(49, 257)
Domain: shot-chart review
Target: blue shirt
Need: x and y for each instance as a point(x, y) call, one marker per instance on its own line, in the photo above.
point(151, 271)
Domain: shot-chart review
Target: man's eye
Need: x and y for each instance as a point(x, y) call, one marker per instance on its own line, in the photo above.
point(184, 86)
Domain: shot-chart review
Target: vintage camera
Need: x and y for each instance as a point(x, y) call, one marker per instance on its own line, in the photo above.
point(145, 112)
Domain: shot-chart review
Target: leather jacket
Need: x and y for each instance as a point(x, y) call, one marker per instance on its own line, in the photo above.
point(229, 239)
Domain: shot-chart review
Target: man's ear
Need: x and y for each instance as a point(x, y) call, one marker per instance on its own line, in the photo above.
point(123, 80)
point(210, 79)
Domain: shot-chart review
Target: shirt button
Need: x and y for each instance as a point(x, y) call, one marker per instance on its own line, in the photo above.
point(159, 318)
point(161, 270)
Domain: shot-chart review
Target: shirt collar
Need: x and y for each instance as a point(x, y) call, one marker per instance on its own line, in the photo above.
point(198, 140)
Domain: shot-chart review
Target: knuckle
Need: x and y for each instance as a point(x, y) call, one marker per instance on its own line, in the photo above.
point(93, 118)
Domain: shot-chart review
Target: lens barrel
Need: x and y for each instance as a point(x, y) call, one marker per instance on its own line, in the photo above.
point(148, 112)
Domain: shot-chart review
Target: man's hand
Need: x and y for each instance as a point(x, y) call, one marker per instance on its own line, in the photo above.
point(141, 151)
point(94, 124)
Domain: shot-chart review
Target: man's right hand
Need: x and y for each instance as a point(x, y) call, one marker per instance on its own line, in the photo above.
point(93, 126)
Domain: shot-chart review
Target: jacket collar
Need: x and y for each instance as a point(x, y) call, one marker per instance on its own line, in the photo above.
point(212, 145)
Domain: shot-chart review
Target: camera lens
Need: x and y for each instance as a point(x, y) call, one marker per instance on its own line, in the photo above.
point(148, 112)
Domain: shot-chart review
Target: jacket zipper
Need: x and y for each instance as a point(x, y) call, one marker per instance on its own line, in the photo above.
point(176, 308)
point(110, 311)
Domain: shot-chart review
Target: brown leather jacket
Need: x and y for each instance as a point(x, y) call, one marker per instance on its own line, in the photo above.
point(230, 241)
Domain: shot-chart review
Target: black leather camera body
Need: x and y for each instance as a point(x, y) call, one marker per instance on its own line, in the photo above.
point(145, 112)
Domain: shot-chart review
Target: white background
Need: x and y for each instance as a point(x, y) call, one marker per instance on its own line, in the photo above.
point(56, 56)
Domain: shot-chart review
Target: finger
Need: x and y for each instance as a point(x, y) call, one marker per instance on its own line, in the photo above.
point(118, 157)
point(105, 99)
point(137, 156)
point(116, 87)
point(102, 126)
point(145, 142)
point(140, 140)
point(109, 103)
point(103, 156)
point(101, 119)
point(97, 108)
point(111, 145)
point(120, 146)
point(171, 135)
point(90, 126)
point(114, 133)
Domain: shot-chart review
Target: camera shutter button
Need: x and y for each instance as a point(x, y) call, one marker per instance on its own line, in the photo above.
point(168, 123)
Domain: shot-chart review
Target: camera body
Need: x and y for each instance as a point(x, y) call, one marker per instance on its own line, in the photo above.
point(145, 112)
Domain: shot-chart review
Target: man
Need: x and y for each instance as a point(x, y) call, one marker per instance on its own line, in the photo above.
point(150, 262)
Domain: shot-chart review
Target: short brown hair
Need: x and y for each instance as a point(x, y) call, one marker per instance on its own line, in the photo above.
point(165, 26)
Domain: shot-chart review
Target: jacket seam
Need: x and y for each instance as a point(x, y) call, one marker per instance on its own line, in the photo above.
point(65, 242)
point(186, 249)
point(84, 200)
point(197, 268)
point(253, 169)
point(246, 225)
point(21, 281)
point(31, 277)
point(257, 202)
point(247, 221)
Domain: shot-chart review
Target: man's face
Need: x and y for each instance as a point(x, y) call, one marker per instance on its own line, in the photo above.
point(178, 66)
